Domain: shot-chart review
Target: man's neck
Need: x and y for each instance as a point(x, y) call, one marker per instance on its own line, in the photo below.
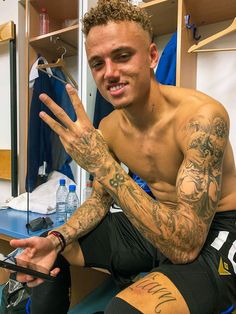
point(146, 113)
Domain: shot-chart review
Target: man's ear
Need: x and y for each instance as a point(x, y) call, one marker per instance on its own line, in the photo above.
point(153, 53)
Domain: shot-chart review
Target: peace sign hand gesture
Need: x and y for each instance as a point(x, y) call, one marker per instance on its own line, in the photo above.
point(80, 139)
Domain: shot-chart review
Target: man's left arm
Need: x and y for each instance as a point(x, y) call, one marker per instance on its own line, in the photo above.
point(179, 232)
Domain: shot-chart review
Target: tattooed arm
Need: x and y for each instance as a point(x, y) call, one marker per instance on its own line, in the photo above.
point(43, 250)
point(87, 216)
point(180, 232)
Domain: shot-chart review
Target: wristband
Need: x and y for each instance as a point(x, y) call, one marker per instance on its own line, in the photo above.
point(60, 237)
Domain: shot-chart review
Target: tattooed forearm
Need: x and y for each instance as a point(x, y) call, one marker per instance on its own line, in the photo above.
point(87, 217)
point(178, 232)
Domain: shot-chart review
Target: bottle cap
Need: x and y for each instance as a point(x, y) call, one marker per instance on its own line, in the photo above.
point(72, 188)
point(62, 182)
point(44, 10)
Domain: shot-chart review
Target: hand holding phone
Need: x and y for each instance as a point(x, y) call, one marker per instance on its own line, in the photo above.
point(13, 263)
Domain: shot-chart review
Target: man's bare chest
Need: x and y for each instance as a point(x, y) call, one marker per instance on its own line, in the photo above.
point(153, 159)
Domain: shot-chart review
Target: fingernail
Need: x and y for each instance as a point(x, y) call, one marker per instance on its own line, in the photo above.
point(69, 87)
point(42, 96)
point(42, 114)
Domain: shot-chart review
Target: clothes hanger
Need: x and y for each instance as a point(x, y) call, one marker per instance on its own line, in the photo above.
point(202, 43)
point(60, 63)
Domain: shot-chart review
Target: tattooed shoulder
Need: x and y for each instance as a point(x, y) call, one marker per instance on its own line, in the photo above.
point(199, 179)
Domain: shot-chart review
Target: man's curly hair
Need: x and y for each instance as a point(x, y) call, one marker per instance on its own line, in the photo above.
point(115, 10)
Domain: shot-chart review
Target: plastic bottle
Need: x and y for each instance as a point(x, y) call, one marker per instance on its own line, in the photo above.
point(61, 196)
point(72, 201)
point(43, 22)
point(87, 190)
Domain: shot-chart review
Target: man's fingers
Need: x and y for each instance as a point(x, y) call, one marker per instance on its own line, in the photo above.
point(23, 277)
point(22, 243)
point(54, 125)
point(55, 272)
point(35, 282)
point(77, 104)
point(58, 112)
point(28, 279)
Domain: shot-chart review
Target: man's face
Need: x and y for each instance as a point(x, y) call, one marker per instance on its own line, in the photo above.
point(121, 59)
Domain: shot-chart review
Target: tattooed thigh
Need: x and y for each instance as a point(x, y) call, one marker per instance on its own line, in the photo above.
point(155, 293)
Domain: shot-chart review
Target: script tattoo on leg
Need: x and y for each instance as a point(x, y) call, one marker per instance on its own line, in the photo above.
point(151, 286)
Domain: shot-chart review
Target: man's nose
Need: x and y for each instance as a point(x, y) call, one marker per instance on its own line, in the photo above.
point(111, 70)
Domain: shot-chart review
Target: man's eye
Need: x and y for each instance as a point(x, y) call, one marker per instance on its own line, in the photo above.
point(124, 56)
point(96, 65)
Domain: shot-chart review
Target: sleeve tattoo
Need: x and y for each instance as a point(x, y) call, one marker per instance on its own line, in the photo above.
point(179, 232)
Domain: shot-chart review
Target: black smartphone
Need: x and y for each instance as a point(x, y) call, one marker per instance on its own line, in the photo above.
point(15, 264)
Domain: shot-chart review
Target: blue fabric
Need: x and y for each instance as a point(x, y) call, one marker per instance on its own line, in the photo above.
point(166, 69)
point(40, 147)
point(61, 97)
point(229, 310)
point(102, 109)
point(27, 308)
point(142, 184)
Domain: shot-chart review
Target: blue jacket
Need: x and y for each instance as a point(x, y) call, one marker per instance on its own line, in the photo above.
point(166, 69)
point(44, 145)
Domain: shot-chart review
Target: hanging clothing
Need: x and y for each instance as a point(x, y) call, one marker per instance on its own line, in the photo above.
point(166, 69)
point(101, 110)
point(45, 151)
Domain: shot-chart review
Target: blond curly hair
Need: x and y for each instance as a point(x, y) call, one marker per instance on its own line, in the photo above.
point(115, 10)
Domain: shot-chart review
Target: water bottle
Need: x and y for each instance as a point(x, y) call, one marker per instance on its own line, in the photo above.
point(43, 22)
point(88, 190)
point(72, 201)
point(61, 196)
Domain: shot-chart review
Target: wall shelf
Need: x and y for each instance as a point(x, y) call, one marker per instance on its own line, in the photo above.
point(163, 15)
point(203, 12)
point(58, 10)
point(68, 38)
point(208, 12)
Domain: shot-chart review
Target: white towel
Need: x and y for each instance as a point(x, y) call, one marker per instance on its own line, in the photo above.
point(43, 199)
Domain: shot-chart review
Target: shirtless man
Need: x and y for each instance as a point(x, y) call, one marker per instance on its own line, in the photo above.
point(176, 140)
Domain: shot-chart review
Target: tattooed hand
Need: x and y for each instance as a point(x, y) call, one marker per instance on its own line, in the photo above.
point(80, 139)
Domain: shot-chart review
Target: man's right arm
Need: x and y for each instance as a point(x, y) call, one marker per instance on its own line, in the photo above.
point(86, 217)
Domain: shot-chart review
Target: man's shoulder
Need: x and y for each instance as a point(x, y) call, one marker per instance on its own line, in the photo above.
point(193, 102)
point(109, 121)
point(108, 125)
point(197, 108)
point(181, 96)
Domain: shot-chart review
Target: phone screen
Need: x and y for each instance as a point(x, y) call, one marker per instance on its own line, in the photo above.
point(13, 263)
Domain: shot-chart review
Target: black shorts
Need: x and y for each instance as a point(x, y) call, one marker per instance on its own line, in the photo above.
point(208, 284)
point(117, 246)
